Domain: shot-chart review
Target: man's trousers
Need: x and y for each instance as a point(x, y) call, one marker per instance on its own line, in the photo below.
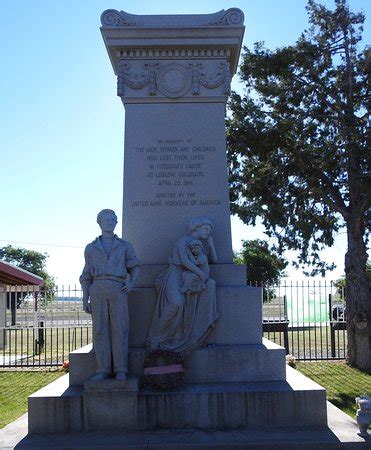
point(109, 308)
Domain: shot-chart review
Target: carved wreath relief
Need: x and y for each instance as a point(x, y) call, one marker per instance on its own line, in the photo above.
point(172, 80)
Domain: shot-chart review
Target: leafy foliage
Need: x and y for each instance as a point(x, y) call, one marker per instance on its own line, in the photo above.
point(263, 265)
point(297, 142)
point(298, 152)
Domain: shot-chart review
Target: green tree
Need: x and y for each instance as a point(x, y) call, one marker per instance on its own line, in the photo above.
point(263, 265)
point(297, 148)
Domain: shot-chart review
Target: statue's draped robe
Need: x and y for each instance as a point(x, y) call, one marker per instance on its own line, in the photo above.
point(181, 321)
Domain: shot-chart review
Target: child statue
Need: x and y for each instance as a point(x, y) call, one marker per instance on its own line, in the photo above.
point(186, 308)
point(192, 283)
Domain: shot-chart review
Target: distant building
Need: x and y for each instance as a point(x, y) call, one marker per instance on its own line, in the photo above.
point(12, 278)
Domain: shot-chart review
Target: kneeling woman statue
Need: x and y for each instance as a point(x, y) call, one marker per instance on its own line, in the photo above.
point(186, 297)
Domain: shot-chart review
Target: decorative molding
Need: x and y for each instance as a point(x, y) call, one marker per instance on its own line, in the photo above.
point(232, 16)
point(133, 80)
point(172, 80)
point(152, 81)
point(210, 81)
point(112, 18)
point(174, 53)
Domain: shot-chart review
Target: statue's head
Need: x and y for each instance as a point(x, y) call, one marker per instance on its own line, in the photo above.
point(107, 220)
point(195, 246)
point(200, 227)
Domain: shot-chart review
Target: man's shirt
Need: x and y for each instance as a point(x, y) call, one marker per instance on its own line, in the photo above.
point(98, 264)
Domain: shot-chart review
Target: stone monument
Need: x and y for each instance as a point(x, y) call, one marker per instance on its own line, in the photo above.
point(173, 76)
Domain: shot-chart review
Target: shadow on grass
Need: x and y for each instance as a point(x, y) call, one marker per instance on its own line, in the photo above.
point(345, 402)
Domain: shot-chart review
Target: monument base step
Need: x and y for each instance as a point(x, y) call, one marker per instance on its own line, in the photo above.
point(110, 406)
point(214, 364)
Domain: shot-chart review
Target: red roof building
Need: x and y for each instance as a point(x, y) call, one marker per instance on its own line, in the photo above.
point(14, 276)
point(10, 277)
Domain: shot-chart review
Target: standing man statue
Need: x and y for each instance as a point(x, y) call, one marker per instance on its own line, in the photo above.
point(106, 283)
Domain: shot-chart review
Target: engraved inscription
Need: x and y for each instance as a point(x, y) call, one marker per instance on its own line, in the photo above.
point(175, 170)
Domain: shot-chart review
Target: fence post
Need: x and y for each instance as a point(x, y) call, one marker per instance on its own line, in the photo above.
point(330, 307)
point(2, 316)
point(332, 329)
point(285, 307)
point(286, 326)
point(40, 341)
point(286, 337)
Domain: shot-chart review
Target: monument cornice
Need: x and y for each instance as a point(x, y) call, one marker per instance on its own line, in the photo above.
point(223, 31)
point(122, 19)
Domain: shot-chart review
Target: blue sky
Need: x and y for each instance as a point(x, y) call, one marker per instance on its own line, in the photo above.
point(62, 125)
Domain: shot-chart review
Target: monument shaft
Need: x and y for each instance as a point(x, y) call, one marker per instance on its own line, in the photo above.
point(175, 157)
point(174, 82)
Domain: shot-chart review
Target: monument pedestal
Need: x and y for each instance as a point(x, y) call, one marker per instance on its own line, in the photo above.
point(118, 397)
point(296, 402)
point(238, 380)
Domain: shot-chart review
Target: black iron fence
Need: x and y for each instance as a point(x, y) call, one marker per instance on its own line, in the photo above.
point(42, 346)
point(307, 318)
point(40, 328)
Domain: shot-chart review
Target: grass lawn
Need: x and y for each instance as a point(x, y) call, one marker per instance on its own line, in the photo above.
point(343, 383)
point(16, 386)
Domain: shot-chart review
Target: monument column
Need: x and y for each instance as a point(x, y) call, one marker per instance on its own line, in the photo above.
point(173, 76)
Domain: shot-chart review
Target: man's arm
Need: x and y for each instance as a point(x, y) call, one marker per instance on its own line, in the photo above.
point(132, 266)
point(134, 272)
point(85, 281)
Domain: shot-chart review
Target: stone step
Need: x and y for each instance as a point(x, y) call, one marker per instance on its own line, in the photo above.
point(222, 406)
point(109, 406)
point(215, 364)
point(56, 408)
